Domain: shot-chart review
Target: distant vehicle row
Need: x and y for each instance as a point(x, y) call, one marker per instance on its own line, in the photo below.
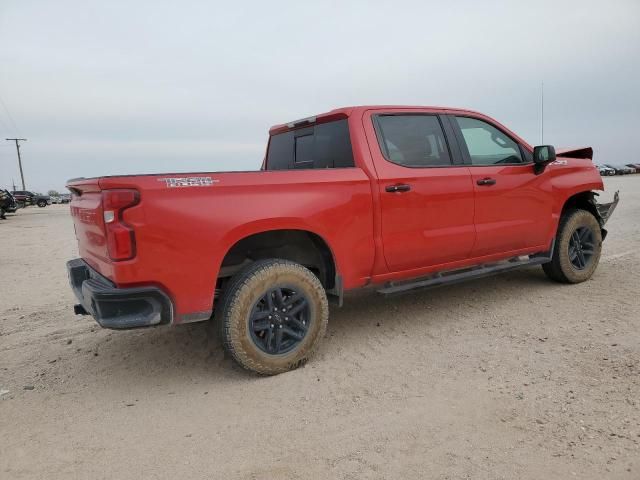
point(608, 169)
point(10, 202)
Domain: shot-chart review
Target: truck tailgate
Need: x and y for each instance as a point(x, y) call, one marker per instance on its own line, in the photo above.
point(87, 214)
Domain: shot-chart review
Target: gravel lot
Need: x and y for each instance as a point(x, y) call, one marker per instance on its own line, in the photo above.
point(508, 377)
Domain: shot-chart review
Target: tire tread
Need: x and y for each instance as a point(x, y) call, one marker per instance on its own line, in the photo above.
point(556, 269)
point(239, 287)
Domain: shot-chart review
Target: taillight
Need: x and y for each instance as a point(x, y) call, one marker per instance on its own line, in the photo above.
point(121, 240)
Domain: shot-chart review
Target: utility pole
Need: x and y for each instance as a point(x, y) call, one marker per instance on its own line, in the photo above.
point(18, 140)
point(13, 182)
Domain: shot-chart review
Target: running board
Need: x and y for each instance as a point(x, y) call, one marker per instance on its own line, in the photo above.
point(461, 275)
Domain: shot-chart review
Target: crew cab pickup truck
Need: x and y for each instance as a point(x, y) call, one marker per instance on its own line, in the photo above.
point(396, 198)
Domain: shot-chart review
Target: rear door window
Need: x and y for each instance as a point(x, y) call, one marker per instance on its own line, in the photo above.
point(326, 145)
point(413, 140)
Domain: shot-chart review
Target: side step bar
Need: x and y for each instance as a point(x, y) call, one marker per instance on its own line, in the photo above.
point(469, 273)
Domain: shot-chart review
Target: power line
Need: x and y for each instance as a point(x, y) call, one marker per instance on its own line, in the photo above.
point(18, 140)
point(4, 125)
point(15, 127)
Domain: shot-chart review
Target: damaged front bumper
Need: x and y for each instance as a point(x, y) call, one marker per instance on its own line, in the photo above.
point(605, 210)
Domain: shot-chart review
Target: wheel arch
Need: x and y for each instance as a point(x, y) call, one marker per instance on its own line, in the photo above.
point(585, 200)
point(300, 245)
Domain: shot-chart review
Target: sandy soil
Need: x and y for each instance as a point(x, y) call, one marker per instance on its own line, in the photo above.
point(509, 377)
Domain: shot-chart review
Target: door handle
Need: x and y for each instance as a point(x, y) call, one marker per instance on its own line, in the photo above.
point(486, 181)
point(400, 187)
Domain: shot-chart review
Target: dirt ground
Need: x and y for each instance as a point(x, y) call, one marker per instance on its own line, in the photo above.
point(508, 377)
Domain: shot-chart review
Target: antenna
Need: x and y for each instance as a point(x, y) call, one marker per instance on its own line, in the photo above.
point(542, 114)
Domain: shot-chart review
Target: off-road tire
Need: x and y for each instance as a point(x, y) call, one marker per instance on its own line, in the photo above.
point(234, 309)
point(560, 267)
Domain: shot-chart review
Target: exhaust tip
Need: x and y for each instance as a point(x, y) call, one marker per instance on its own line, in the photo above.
point(79, 310)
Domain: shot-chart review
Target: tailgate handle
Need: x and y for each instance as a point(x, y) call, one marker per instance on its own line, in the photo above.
point(400, 187)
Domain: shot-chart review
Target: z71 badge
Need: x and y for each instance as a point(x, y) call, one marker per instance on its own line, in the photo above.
point(188, 181)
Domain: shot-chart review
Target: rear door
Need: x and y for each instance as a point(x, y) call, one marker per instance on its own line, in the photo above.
point(426, 194)
point(512, 209)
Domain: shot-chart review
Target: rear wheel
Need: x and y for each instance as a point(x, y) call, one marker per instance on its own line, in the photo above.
point(42, 203)
point(577, 248)
point(272, 316)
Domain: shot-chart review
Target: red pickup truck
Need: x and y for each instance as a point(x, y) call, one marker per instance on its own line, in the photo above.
point(399, 198)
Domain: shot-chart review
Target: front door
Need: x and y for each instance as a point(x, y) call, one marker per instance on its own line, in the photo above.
point(426, 194)
point(513, 210)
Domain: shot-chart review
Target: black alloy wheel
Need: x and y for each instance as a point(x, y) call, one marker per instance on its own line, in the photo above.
point(581, 247)
point(279, 320)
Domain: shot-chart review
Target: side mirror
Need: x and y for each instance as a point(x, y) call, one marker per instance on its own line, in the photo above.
point(542, 156)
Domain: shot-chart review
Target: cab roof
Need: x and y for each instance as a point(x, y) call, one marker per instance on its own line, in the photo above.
point(344, 112)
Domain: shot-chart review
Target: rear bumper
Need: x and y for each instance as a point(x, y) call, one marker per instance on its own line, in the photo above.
point(117, 308)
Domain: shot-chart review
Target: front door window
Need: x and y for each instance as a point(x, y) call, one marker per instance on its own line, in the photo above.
point(486, 144)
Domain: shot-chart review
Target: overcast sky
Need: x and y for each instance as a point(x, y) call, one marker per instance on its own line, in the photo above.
point(112, 87)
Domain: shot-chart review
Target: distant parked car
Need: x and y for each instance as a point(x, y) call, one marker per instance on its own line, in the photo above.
point(618, 169)
point(26, 197)
point(605, 171)
point(634, 166)
point(65, 197)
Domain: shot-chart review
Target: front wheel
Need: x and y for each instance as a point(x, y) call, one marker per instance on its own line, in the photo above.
point(577, 248)
point(273, 315)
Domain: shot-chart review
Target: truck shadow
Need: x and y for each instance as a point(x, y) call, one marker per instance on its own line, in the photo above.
point(440, 306)
point(191, 353)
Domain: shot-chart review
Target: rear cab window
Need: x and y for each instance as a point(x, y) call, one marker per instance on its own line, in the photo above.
point(325, 145)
